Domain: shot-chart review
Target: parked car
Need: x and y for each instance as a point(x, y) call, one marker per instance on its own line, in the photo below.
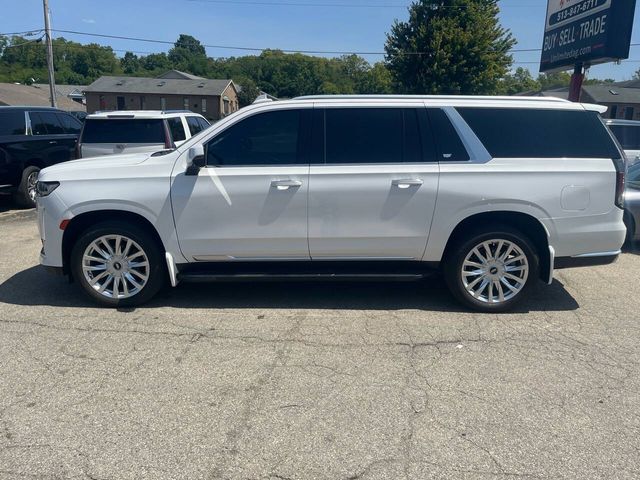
point(108, 133)
point(628, 134)
point(32, 138)
point(80, 115)
point(632, 204)
point(496, 192)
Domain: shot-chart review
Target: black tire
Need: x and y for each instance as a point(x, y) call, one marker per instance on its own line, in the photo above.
point(458, 251)
point(157, 272)
point(22, 197)
point(631, 229)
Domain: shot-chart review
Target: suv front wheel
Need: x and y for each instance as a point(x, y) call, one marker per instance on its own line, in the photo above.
point(118, 264)
point(492, 269)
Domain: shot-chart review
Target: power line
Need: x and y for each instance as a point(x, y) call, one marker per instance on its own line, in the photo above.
point(339, 5)
point(24, 32)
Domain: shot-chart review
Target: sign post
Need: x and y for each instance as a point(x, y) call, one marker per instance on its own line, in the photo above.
point(582, 33)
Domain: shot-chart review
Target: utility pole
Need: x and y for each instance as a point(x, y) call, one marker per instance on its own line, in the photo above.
point(47, 34)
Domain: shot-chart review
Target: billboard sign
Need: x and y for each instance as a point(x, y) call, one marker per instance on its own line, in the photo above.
point(586, 31)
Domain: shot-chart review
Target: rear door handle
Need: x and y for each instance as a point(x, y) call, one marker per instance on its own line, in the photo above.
point(407, 182)
point(285, 184)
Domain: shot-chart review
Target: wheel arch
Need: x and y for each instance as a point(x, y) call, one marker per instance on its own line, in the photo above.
point(527, 224)
point(80, 223)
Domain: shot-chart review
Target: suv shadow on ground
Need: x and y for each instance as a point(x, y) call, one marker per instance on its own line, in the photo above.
point(34, 286)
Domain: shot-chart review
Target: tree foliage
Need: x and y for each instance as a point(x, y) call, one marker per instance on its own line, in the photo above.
point(449, 47)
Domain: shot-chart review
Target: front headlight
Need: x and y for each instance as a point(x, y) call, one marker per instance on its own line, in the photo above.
point(45, 188)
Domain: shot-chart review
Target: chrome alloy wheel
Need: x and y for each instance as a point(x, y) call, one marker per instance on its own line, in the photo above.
point(495, 271)
point(32, 180)
point(115, 266)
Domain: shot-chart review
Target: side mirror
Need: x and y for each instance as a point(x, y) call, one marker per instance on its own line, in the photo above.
point(195, 159)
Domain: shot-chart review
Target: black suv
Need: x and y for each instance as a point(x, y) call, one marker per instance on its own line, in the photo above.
point(32, 138)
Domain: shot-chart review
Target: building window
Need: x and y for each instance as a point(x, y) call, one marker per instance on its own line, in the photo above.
point(628, 113)
point(226, 106)
point(203, 102)
point(614, 111)
point(163, 103)
point(143, 102)
point(120, 103)
point(103, 103)
point(185, 103)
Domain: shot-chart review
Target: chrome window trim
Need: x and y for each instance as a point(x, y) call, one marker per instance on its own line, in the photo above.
point(475, 148)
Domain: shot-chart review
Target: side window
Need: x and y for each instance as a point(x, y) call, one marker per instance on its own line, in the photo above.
point(203, 123)
point(539, 133)
point(450, 147)
point(194, 125)
point(12, 122)
point(269, 138)
point(52, 124)
point(176, 129)
point(37, 124)
point(70, 124)
point(371, 135)
point(628, 136)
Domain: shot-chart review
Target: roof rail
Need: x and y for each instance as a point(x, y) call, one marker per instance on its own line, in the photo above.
point(430, 97)
point(262, 98)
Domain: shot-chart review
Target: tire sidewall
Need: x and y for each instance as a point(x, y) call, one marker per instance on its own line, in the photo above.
point(157, 270)
point(453, 267)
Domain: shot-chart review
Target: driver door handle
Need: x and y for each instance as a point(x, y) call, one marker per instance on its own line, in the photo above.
point(407, 182)
point(285, 184)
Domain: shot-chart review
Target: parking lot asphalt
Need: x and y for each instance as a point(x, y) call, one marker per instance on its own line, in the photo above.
point(316, 381)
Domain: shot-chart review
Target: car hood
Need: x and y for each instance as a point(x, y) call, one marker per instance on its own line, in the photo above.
point(95, 164)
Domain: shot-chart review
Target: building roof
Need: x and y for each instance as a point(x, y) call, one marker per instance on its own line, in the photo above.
point(36, 95)
point(178, 75)
point(168, 86)
point(610, 93)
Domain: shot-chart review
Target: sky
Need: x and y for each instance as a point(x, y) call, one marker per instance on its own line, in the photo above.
point(355, 26)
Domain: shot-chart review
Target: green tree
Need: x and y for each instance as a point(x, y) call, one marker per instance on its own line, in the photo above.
point(130, 63)
point(518, 82)
point(549, 81)
point(449, 46)
point(248, 91)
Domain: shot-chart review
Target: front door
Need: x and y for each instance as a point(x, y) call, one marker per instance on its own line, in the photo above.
point(250, 201)
point(374, 195)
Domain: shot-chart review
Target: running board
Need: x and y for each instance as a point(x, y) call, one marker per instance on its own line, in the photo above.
point(305, 277)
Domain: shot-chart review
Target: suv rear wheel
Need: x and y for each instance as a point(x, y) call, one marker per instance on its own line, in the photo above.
point(492, 269)
point(118, 264)
point(26, 194)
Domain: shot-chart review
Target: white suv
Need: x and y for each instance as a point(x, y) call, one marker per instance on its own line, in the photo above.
point(496, 192)
point(109, 133)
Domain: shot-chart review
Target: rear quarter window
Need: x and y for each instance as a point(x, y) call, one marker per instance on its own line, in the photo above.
point(537, 133)
point(627, 135)
point(12, 122)
point(123, 131)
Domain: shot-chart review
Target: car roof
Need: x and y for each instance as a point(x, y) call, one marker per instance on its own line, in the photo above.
point(128, 114)
point(26, 108)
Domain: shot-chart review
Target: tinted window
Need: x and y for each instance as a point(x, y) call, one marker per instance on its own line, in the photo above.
point(176, 129)
point(45, 123)
point(269, 138)
point(70, 124)
point(515, 132)
point(12, 122)
point(194, 125)
point(628, 136)
point(371, 135)
point(203, 123)
point(450, 146)
point(123, 131)
point(633, 177)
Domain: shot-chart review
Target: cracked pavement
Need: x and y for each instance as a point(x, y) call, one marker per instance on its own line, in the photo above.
point(316, 381)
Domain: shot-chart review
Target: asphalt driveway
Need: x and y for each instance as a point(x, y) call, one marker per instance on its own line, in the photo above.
point(316, 381)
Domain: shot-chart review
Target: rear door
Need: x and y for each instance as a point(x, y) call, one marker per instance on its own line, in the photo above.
point(372, 193)
point(108, 136)
point(52, 143)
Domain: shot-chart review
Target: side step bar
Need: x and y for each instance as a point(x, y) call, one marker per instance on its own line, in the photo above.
point(306, 277)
